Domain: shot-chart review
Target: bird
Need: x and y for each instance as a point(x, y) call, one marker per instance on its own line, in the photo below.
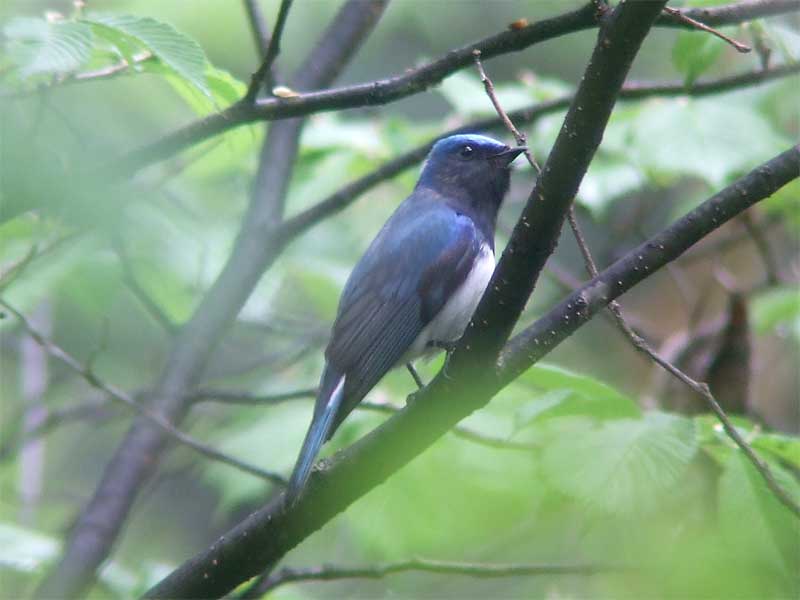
point(415, 288)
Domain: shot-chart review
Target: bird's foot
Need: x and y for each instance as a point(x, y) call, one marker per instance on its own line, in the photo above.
point(415, 375)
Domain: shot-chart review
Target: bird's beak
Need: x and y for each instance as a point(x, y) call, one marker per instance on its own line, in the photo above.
point(507, 156)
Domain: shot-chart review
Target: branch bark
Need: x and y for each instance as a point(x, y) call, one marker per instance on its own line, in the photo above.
point(266, 535)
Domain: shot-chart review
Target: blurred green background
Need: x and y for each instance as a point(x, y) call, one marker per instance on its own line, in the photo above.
point(623, 467)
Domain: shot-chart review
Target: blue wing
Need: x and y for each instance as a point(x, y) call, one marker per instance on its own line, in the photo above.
point(423, 253)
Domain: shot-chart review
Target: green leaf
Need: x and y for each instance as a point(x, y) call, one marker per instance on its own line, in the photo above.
point(623, 466)
point(38, 46)
point(27, 551)
point(784, 39)
point(177, 51)
point(784, 447)
point(608, 178)
point(587, 396)
point(777, 307)
point(757, 527)
point(695, 137)
point(694, 53)
point(466, 94)
point(786, 203)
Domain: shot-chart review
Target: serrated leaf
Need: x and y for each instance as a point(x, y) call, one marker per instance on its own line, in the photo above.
point(694, 53)
point(784, 447)
point(757, 527)
point(607, 180)
point(589, 396)
point(777, 307)
point(623, 466)
point(177, 51)
point(466, 94)
point(696, 137)
point(37, 46)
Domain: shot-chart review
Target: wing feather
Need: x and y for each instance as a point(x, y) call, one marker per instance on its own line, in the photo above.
point(421, 255)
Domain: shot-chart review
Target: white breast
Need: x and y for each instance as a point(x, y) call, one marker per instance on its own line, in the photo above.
point(452, 320)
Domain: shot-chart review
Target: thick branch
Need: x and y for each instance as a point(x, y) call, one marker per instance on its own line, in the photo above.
point(269, 533)
point(413, 81)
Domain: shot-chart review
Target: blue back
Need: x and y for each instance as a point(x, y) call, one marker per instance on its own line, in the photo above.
point(423, 252)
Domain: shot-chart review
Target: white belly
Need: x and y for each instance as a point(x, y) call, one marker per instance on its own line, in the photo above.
point(449, 324)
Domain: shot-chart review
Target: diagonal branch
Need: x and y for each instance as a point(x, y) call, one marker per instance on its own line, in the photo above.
point(258, 25)
point(477, 570)
point(703, 27)
point(233, 397)
point(156, 419)
point(264, 76)
point(266, 535)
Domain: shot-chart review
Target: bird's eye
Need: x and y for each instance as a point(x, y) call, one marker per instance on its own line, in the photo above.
point(467, 152)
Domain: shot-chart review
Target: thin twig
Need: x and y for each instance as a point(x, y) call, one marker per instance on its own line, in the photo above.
point(258, 26)
point(56, 417)
point(518, 135)
point(235, 397)
point(263, 76)
point(132, 282)
point(764, 251)
point(93, 380)
point(744, 48)
point(415, 376)
point(108, 72)
point(13, 272)
point(641, 345)
point(478, 570)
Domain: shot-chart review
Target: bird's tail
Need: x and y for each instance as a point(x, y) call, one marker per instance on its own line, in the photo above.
point(318, 432)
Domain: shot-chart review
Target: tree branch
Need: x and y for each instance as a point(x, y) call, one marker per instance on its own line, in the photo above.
point(233, 397)
point(413, 81)
point(703, 27)
point(477, 570)
point(264, 76)
point(258, 26)
point(266, 535)
point(86, 373)
point(730, 14)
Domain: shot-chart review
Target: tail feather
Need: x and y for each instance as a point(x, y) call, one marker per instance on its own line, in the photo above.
point(318, 433)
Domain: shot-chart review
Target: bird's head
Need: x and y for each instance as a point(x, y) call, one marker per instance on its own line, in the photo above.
point(473, 168)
